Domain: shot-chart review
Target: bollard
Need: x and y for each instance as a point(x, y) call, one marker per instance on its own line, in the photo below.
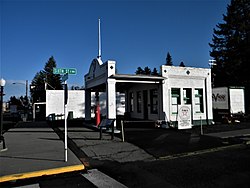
point(122, 130)
point(113, 130)
point(201, 126)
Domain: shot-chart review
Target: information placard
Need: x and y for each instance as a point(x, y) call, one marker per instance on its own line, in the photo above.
point(184, 117)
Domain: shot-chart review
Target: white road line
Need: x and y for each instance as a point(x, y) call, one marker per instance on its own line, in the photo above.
point(102, 180)
point(30, 186)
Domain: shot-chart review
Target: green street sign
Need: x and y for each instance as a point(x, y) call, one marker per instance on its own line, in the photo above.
point(71, 71)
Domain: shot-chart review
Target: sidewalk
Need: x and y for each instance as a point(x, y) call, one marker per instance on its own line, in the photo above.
point(89, 142)
point(236, 136)
point(34, 149)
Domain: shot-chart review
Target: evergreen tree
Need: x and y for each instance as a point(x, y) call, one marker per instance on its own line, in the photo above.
point(169, 60)
point(45, 78)
point(147, 70)
point(231, 47)
point(139, 71)
point(53, 80)
point(182, 64)
point(155, 72)
point(21, 102)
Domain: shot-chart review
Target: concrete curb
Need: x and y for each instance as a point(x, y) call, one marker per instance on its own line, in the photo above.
point(14, 177)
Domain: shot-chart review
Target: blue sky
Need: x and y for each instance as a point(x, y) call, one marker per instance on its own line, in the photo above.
point(134, 33)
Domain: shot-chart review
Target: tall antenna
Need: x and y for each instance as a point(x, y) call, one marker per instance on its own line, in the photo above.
point(99, 39)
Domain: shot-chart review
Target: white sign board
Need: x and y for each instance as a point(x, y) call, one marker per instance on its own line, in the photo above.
point(237, 100)
point(220, 98)
point(184, 117)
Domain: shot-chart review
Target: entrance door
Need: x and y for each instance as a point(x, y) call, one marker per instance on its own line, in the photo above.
point(145, 104)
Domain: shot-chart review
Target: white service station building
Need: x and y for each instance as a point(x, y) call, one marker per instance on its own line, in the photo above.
point(181, 96)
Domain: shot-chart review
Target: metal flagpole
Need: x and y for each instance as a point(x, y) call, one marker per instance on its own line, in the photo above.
point(99, 39)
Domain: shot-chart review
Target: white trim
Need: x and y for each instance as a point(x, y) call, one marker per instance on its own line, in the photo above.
point(138, 81)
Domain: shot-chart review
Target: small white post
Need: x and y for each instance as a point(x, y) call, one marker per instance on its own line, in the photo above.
point(201, 126)
point(122, 131)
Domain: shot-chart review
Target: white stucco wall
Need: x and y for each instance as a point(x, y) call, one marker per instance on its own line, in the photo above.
point(76, 103)
point(55, 102)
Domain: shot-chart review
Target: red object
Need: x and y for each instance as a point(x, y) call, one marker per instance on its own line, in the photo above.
point(97, 115)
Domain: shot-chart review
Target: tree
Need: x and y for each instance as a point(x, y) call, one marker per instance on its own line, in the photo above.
point(21, 102)
point(155, 72)
point(169, 60)
point(147, 70)
point(182, 64)
point(45, 78)
point(231, 47)
point(139, 71)
point(14, 101)
point(53, 80)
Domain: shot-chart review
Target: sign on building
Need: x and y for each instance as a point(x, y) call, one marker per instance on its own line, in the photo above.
point(184, 117)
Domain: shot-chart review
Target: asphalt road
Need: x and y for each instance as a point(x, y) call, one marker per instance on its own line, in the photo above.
point(224, 168)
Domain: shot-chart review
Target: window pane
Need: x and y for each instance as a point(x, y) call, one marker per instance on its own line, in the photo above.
point(154, 101)
point(176, 99)
point(175, 92)
point(131, 98)
point(187, 95)
point(139, 101)
point(199, 107)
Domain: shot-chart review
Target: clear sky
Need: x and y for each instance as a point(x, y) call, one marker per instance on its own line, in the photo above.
point(134, 33)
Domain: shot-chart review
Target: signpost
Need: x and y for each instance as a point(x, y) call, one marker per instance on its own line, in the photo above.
point(65, 77)
point(65, 72)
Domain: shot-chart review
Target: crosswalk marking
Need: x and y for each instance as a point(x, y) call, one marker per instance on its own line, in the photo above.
point(30, 186)
point(101, 180)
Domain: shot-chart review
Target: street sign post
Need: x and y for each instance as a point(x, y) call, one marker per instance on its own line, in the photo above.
point(65, 75)
point(72, 71)
point(65, 120)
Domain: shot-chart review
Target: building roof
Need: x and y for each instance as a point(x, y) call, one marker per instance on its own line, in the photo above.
point(136, 78)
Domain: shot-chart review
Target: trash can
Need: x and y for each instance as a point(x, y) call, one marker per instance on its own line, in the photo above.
point(70, 115)
point(51, 117)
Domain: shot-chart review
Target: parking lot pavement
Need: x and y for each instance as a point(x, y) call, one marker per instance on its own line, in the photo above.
point(164, 142)
point(88, 141)
point(34, 149)
point(147, 143)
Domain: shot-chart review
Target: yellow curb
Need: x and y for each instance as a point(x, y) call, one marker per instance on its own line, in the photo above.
point(47, 172)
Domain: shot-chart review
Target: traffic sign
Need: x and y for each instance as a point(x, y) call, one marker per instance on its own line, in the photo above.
point(71, 71)
point(65, 77)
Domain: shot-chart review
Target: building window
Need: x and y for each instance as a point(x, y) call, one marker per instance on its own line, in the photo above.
point(154, 101)
point(187, 95)
point(139, 101)
point(131, 99)
point(176, 99)
point(199, 106)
